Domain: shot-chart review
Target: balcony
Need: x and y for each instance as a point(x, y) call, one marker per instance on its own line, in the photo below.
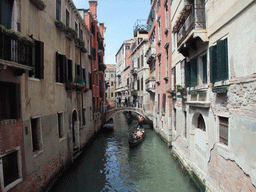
point(134, 71)
point(190, 28)
point(140, 26)
point(102, 67)
point(16, 53)
point(150, 55)
point(150, 85)
point(101, 48)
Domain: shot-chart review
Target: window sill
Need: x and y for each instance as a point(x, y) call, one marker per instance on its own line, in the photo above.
point(8, 121)
point(37, 153)
point(13, 184)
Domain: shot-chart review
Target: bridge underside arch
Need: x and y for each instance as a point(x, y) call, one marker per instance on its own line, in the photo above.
point(115, 111)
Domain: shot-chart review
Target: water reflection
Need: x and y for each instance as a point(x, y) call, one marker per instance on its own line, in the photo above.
point(108, 164)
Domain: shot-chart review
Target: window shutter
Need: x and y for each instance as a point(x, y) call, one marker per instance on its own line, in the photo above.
point(193, 72)
point(39, 59)
point(57, 67)
point(70, 71)
point(62, 68)
point(204, 69)
point(222, 59)
point(187, 71)
point(213, 63)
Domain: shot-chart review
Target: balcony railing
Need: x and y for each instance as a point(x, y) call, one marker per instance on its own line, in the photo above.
point(134, 71)
point(150, 85)
point(141, 26)
point(15, 52)
point(150, 54)
point(191, 18)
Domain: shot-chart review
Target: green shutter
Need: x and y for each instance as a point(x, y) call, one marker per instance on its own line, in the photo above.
point(70, 71)
point(187, 72)
point(204, 69)
point(213, 63)
point(193, 71)
point(222, 52)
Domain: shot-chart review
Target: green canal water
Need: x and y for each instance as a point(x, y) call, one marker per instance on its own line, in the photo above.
point(108, 164)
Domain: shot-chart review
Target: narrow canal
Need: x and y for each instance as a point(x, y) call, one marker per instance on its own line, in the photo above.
point(108, 164)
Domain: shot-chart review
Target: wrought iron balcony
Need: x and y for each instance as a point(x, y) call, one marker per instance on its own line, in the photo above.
point(100, 48)
point(191, 24)
point(134, 71)
point(102, 67)
point(150, 54)
point(15, 53)
point(140, 26)
point(150, 85)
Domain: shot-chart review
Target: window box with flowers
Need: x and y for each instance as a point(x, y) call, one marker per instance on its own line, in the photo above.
point(39, 4)
point(60, 25)
point(71, 32)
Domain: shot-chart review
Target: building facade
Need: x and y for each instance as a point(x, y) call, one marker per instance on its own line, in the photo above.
point(110, 79)
point(139, 69)
point(97, 60)
point(122, 72)
point(46, 111)
point(158, 57)
point(213, 90)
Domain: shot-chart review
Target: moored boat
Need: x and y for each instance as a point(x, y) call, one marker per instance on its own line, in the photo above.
point(109, 125)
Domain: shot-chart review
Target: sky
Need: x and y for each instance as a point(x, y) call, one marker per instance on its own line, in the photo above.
point(119, 17)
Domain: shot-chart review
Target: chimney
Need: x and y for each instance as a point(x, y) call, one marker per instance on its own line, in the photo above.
point(102, 29)
point(93, 7)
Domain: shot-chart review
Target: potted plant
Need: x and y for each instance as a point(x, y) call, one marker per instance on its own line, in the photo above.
point(15, 35)
point(26, 40)
point(60, 25)
point(180, 88)
point(71, 32)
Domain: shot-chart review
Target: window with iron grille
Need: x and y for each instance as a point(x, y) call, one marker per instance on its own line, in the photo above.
point(223, 130)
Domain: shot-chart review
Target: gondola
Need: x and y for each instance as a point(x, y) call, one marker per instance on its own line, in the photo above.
point(128, 116)
point(137, 135)
point(109, 125)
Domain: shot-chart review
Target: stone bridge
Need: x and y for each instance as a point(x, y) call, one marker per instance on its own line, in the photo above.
point(113, 111)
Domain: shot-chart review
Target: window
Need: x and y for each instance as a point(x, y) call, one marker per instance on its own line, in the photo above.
point(167, 60)
point(61, 72)
point(158, 5)
point(36, 134)
point(76, 27)
point(38, 60)
point(67, 18)
point(112, 75)
point(61, 125)
point(159, 29)
point(78, 72)
point(83, 116)
point(163, 103)
point(200, 123)
point(83, 74)
point(223, 129)
point(9, 101)
point(142, 60)
point(173, 82)
point(112, 94)
point(142, 84)
point(191, 73)
point(6, 13)
point(185, 124)
point(138, 61)
point(58, 10)
point(112, 83)
point(174, 119)
point(182, 70)
point(219, 61)
point(138, 84)
point(158, 102)
point(127, 47)
point(159, 68)
point(11, 173)
point(166, 15)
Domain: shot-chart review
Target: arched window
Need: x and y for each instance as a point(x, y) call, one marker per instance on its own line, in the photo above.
point(201, 123)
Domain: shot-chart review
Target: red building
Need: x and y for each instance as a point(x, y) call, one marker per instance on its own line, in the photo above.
point(97, 59)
